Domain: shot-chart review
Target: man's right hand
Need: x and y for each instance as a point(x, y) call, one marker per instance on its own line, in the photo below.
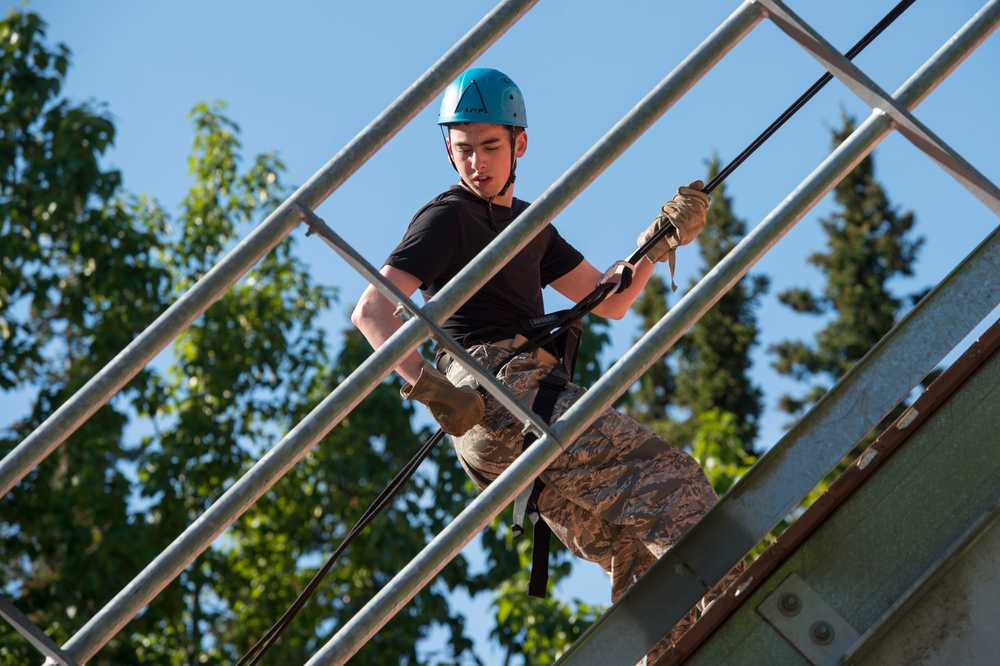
point(456, 410)
point(685, 217)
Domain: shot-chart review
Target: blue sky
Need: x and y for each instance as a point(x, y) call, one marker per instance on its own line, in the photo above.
point(303, 77)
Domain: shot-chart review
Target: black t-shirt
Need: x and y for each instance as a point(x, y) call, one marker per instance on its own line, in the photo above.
point(447, 234)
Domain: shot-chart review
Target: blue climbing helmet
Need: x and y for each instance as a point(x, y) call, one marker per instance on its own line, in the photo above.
point(483, 95)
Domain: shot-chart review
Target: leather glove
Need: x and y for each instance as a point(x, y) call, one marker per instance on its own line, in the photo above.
point(456, 410)
point(684, 215)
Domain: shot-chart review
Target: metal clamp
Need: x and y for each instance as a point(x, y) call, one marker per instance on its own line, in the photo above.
point(807, 622)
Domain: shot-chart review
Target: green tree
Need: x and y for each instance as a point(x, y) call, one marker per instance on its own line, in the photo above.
point(244, 374)
point(650, 400)
point(239, 374)
point(85, 269)
point(594, 338)
point(869, 243)
point(81, 276)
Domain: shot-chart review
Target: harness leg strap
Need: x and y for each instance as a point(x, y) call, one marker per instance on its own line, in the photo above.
point(526, 503)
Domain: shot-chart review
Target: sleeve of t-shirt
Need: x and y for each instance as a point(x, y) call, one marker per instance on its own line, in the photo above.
point(560, 258)
point(428, 247)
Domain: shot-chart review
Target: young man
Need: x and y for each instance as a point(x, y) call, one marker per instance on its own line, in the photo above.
point(619, 495)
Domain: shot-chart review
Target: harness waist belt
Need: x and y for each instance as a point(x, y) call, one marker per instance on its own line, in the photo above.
point(515, 343)
point(445, 360)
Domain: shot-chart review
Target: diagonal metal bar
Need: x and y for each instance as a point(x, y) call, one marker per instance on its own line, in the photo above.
point(116, 374)
point(34, 635)
point(296, 444)
point(785, 474)
point(851, 53)
point(531, 421)
point(848, 73)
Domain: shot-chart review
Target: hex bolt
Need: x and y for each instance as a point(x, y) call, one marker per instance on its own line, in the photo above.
point(790, 604)
point(822, 633)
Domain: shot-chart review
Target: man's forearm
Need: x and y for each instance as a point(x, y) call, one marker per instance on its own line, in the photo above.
point(376, 319)
point(617, 305)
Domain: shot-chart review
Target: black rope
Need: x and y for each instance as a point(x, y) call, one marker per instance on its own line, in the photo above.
point(807, 95)
point(257, 652)
point(569, 317)
point(604, 289)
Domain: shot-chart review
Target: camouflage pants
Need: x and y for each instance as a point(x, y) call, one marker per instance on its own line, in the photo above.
point(619, 495)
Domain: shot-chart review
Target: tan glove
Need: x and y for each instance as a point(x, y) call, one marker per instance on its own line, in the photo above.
point(455, 409)
point(684, 215)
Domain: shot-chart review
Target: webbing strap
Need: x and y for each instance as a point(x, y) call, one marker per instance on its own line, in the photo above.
point(526, 502)
point(538, 579)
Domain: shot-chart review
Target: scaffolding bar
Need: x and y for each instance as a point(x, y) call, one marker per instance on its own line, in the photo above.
point(775, 485)
point(112, 377)
point(477, 515)
point(38, 638)
point(877, 98)
point(201, 533)
point(116, 374)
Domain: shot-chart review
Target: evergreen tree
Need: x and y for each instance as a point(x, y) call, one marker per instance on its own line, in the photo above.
point(651, 397)
point(869, 243)
point(594, 338)
point(706, 402)
point(714, 360)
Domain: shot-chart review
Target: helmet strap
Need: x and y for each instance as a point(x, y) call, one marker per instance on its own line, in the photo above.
point(513, 161)
point(445, 129)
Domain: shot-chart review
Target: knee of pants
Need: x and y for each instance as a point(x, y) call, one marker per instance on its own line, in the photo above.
point(584, 533)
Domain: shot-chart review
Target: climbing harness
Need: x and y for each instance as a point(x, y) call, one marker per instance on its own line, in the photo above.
point(550, 386)
point(551, 327)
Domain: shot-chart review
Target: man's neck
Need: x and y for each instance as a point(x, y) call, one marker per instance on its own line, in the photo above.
point(506, 199)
